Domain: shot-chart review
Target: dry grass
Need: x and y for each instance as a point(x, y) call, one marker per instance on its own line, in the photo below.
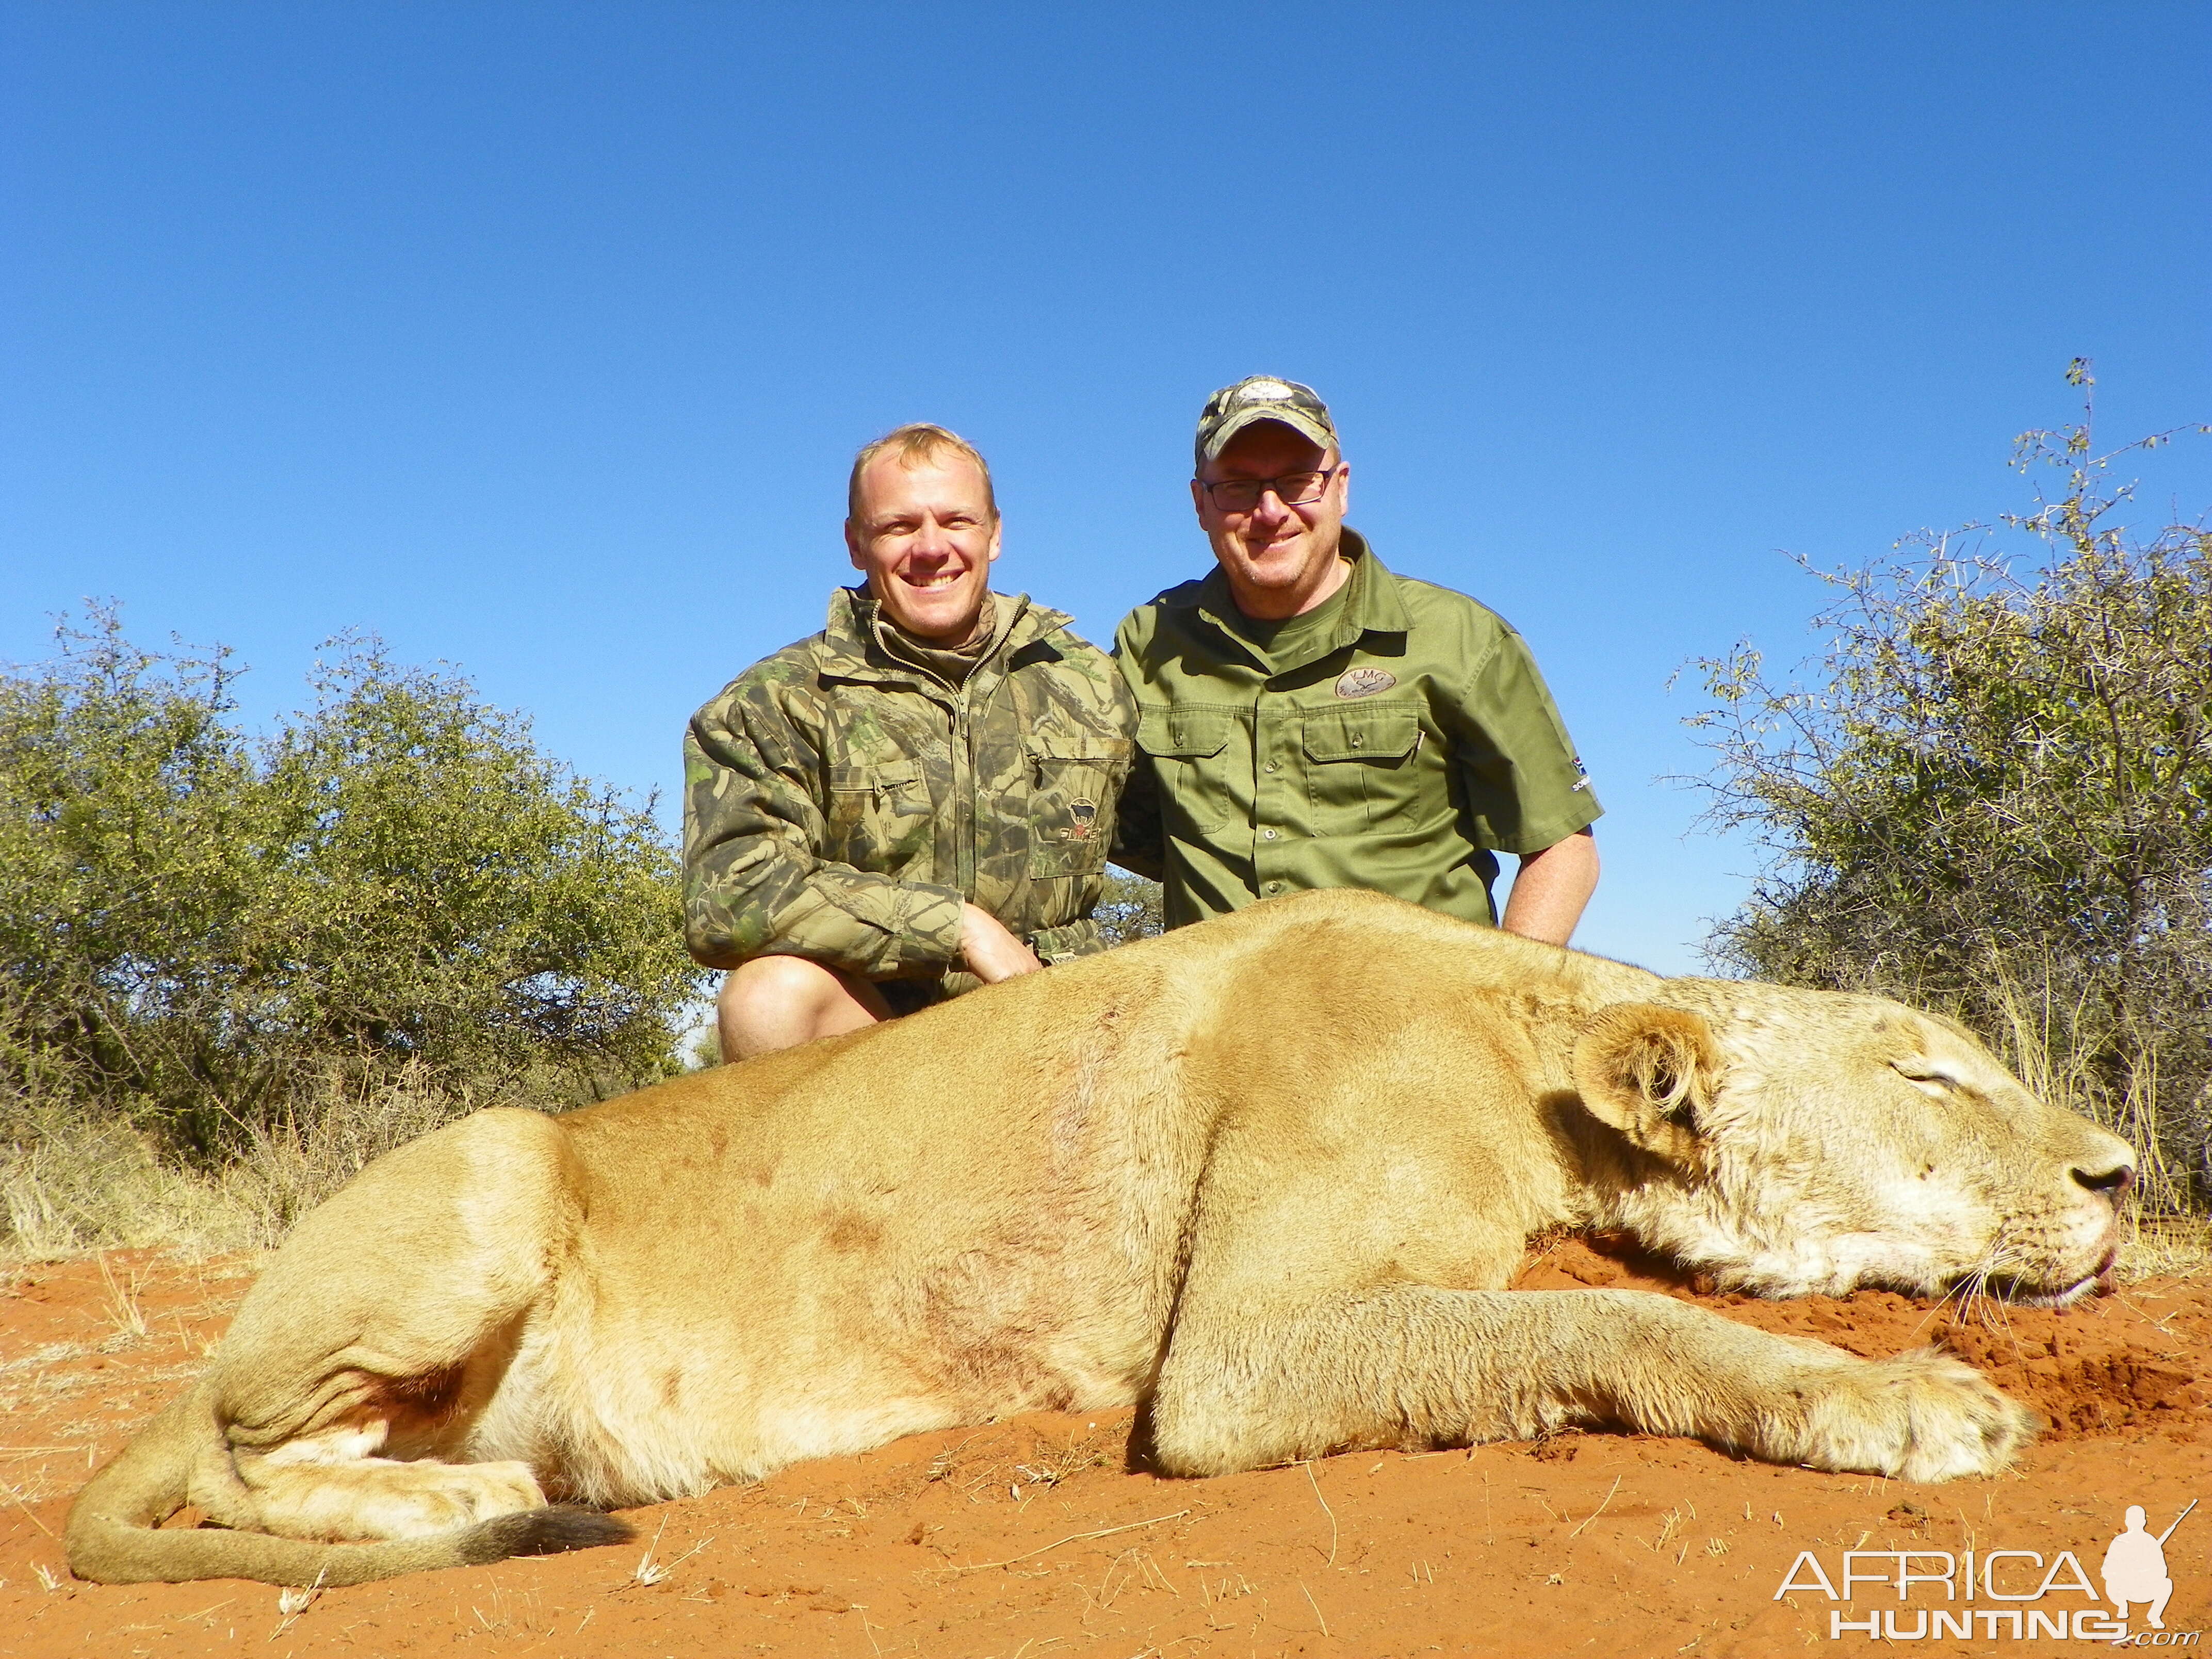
point(72, 1180)
point(648, 1571)
point(68, 1183)
point(2166, 1247)
point(123, 1309)
point(2050, 1044)
point(2039, 1038)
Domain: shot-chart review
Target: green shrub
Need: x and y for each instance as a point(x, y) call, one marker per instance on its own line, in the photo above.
point(1997, 797)
point(1129, 909)
point(208, 935)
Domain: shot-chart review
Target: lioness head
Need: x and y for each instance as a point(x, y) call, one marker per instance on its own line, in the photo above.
point(1796, 1142)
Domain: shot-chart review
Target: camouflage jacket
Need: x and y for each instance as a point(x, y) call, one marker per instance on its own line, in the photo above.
point(840, 800)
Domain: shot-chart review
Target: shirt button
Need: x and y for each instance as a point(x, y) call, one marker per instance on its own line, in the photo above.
point(1274, 887)
point(1269, 834)
point(1274, 766)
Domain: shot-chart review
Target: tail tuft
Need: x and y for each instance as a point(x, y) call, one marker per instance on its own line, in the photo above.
point(550, 1531)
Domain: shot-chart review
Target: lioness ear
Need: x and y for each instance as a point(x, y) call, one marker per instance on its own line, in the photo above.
point(1648, 1071)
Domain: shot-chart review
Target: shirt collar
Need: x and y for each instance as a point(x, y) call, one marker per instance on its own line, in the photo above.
point(1371, 605)
point(850, 630)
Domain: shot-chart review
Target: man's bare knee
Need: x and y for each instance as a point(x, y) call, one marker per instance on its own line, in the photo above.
point(777, 1002)
point(782, 981)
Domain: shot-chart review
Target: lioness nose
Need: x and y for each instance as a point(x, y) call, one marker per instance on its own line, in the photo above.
point(2114, 1183)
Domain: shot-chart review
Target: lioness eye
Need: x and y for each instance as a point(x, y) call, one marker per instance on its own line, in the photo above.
point(1924, 1073)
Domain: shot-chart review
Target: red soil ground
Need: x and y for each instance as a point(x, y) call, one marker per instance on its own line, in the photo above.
point(1028, 1539)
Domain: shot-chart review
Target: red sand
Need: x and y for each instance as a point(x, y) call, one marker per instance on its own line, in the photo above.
point(1027, 1540)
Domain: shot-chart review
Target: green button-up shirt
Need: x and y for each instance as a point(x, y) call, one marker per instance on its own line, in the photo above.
point(1399, 749)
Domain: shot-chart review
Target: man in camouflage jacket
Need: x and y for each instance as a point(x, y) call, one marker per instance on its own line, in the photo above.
point(914, 801)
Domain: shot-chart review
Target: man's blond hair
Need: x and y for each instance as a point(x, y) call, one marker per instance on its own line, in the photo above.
point(915, 444)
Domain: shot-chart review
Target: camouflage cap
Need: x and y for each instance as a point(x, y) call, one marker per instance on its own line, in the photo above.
point(1262, 398)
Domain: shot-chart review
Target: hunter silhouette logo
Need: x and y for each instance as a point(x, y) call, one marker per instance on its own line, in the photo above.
point(1998, 1595)
point(2135, 1566)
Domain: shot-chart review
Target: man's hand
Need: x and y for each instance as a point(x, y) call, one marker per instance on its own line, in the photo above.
point(991, 952)
point(1551, 889)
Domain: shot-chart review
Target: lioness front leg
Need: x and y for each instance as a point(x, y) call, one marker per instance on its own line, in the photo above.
point(1415, 1365)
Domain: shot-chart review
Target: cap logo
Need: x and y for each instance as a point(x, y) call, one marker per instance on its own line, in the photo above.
point(1261, 398)
point(1364, 682)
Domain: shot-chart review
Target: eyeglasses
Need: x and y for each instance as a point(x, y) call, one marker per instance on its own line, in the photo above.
point(1243, 495)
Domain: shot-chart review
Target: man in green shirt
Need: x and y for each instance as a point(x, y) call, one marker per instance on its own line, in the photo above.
point(1307, 719)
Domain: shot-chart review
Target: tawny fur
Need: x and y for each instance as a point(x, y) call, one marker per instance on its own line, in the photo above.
point(1265, 1177)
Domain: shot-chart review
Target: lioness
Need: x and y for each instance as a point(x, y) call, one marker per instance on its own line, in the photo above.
point(1264, 1177)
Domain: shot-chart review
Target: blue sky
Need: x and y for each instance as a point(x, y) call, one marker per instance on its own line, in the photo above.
point(538, 338)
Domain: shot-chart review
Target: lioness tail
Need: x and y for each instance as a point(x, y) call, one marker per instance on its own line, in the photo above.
point(114, 1533)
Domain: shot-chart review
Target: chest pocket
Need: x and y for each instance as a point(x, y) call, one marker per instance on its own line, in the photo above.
point(1361, 768)
point(1075, 778)
point(879, 816)
point(1185, 746)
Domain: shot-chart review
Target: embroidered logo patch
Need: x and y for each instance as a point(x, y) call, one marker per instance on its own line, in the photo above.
point(1085, 814)
point(1364, 682)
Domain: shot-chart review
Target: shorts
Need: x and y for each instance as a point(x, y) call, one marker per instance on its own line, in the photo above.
point(911, 996)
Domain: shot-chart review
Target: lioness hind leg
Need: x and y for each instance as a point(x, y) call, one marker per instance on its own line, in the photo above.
point(1244, 1386)
point(350, 1389)
point(379, 1498)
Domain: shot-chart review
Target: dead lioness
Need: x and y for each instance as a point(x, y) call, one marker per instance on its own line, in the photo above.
point(1264, 1178)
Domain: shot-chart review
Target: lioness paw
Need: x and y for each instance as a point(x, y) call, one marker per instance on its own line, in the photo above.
point(415, 1500)
point(1922, 1416)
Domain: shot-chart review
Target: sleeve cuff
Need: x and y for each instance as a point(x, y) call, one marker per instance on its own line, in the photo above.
point(1537, 837)
point(927, 925)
